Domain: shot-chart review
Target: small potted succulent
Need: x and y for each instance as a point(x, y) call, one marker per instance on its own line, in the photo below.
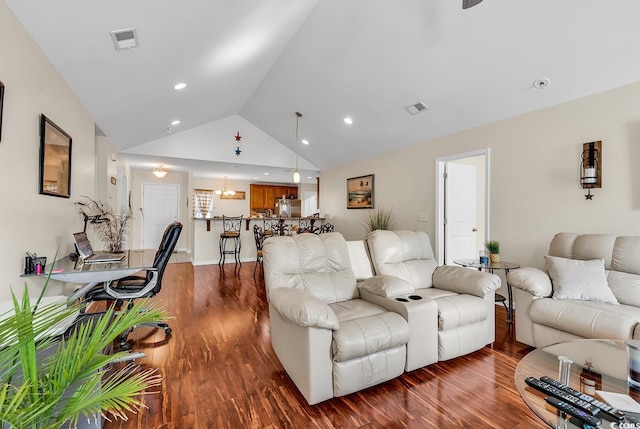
point(494, 251)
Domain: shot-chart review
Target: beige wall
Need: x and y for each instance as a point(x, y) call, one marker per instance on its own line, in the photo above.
point(33, 222)
point(534, 186)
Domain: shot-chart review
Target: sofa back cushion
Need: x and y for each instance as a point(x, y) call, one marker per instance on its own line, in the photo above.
point(621, 259)
point(317, 264)
point(360, 262)
point(404, 254)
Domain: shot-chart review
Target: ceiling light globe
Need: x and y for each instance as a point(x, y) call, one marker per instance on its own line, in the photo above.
point(296, 176)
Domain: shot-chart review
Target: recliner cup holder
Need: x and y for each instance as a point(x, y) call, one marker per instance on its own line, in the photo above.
point(415, 297)
point(402, 299)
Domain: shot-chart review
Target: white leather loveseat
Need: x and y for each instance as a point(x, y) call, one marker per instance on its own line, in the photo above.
point(337, 331)
point(590, 288)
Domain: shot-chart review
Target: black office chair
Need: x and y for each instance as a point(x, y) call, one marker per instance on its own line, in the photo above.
point(130, 288)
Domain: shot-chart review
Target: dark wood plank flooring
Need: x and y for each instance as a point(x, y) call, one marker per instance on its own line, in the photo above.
point(219, 371)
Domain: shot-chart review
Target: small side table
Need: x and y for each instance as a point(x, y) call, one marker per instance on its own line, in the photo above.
point(502, 265)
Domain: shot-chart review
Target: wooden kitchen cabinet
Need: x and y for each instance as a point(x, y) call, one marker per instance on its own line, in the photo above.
point(269, 197)
point(263, 197)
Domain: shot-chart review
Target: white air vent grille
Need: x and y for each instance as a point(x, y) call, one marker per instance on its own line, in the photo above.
point(416, 108)
point(125, 39)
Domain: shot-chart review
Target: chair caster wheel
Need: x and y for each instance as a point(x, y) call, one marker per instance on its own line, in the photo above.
point(167, 331)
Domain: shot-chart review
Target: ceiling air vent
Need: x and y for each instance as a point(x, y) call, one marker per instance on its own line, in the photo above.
point(416, 108)
point(124, 39)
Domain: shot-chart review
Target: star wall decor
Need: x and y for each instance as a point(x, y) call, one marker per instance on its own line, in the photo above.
point(238, 151)
point(238, 136)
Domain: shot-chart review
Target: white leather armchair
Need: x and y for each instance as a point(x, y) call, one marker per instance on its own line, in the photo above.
point(329, 341)
point(464, 320)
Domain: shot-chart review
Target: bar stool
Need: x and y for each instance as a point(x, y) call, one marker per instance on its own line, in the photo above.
point(231, 225)
point(259, 237)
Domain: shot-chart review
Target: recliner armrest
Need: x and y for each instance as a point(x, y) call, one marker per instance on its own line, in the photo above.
point(386, 285)
point(302, 308)
point(465, 280)
point(531, 280)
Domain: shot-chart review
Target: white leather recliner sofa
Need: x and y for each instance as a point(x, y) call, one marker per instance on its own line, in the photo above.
point(590, 288)
point(464, 299)
point(329, 341)
point(337, 328)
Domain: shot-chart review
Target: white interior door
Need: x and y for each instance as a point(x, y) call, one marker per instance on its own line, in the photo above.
point(159, 209)
point(460, 212)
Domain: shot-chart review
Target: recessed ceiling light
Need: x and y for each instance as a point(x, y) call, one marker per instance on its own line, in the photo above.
point(176, 122)
point(180, 86)
point(348, 120)
point(541, 83)
point(255, 178)
point(266, 174)
point(309, 177)
point(305, 141)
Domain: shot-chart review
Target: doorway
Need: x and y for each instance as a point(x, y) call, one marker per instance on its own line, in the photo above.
point(159, 209)
point(462, 205)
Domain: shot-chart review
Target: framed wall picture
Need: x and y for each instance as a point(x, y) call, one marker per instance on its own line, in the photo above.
point(55, 159)
point(1, 104)
point(360, 192)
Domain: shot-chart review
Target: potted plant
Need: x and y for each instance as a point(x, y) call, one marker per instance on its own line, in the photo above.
point(112, 227)
point(378, 219)
point(50, 382)
point(494, 251)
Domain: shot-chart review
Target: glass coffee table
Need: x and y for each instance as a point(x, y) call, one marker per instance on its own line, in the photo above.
point(597, 365)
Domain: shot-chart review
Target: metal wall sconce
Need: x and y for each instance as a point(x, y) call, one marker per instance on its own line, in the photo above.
point(591, 167)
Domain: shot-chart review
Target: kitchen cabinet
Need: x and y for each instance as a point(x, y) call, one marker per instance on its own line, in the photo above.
point(263, 197)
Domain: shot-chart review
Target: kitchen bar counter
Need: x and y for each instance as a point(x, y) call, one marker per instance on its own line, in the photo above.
point(285, 220)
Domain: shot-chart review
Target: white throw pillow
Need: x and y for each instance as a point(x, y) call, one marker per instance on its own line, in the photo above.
point(578, 279)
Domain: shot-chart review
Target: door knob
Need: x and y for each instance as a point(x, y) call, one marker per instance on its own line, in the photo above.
point(474, 230)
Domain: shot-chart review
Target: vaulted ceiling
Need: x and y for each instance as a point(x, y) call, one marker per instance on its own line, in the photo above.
point(250, 65)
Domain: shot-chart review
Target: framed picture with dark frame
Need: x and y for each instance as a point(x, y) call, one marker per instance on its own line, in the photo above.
point(1, 104)
point(55, 159)
point(360, 192)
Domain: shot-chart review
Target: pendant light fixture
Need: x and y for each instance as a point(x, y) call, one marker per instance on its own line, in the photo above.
point(160, 172)
point(226, 192)
point(296, 173)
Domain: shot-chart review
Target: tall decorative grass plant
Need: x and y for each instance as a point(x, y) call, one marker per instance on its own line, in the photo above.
point(112, 227)
point(378, 219)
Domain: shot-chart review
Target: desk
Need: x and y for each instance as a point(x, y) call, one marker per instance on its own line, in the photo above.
point(94, 274)
point(503, 265)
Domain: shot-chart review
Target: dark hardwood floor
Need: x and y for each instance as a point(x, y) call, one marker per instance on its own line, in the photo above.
point(219, 371)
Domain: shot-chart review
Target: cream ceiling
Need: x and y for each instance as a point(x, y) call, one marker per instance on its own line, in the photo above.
point(250, 65)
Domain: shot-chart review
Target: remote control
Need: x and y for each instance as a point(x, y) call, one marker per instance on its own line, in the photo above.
point(575, 412)
point(561, 394)
point(606, 410)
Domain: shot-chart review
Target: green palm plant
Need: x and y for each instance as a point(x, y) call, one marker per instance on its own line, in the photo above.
point(38, 392)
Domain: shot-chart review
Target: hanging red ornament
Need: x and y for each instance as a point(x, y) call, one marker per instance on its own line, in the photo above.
point(238, 136)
